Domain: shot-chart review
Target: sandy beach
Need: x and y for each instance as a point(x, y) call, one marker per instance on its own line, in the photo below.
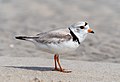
point(96, 60)
point(22, 69)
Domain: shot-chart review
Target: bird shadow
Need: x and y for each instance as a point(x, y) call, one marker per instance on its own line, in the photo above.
point(32, 68)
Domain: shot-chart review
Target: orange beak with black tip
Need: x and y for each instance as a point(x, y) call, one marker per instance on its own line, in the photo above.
point(90, 30)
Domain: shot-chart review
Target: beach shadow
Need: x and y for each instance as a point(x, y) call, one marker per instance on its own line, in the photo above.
point(32, 68)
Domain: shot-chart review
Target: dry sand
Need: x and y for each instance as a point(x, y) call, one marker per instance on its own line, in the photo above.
point(21, 69)
point(29, 17)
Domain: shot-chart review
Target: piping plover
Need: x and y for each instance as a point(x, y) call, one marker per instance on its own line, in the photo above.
point(60, 41)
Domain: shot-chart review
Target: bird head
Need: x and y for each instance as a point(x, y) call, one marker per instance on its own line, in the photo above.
point(81, 29)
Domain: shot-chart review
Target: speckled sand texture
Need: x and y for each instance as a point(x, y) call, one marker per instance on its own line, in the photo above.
point(20, 69)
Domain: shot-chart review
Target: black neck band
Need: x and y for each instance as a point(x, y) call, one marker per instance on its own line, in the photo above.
point(75, 38)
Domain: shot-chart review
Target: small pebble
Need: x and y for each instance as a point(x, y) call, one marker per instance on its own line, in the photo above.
point(11, 46)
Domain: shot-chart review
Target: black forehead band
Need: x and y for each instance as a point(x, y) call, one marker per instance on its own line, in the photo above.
point(86, 23)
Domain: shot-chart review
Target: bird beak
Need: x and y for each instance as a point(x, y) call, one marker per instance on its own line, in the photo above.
point(90, 31)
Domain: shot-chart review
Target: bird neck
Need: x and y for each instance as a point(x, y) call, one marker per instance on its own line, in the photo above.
point(75, 38)
point(78, 37)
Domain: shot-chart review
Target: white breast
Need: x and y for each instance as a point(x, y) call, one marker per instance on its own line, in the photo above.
point(61, 48)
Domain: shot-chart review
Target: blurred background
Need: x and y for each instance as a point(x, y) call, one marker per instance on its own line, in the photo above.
point(29, 17)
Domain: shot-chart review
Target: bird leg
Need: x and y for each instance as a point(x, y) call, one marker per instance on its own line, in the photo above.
point(55, 58)
point(57, 61)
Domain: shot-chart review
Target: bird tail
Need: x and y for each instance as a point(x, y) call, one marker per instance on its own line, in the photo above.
point(29, 38)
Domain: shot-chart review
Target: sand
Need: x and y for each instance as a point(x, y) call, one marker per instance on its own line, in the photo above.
point(29, 17)
point(22, 69)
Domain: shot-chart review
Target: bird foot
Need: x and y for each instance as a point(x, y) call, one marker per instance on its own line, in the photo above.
point(62, 70)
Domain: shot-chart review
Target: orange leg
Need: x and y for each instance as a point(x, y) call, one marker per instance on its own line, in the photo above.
point(56, 60)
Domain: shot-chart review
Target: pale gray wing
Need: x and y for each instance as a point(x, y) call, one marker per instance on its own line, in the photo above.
point(52, 37)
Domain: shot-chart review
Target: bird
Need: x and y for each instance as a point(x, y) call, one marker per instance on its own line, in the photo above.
point(60, 41)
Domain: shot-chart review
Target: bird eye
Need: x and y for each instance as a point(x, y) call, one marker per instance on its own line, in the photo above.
point(82, 27)
point(86, 23)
